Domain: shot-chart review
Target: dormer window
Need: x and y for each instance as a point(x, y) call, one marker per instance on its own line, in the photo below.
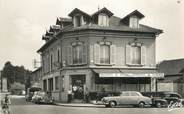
point(134, 22)
point(103, 20)
point(78, 20)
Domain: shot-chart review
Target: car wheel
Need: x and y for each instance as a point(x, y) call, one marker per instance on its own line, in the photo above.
point(141, 105)
point(158, 105)
point(112, 103)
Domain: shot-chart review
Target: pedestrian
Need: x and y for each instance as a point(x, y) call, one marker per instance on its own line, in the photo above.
point(5, 102)
point(69, 96)
point(86, 95)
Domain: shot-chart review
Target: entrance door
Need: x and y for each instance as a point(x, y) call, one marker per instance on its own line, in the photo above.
point(78, 82)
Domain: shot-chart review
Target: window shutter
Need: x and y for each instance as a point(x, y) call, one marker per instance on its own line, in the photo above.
point(84, 54)
point(74, 21)
point(143, 55)
point(97, 53)
point(69, 55)
point(128, 54)
point(91, 53)
point(112, 54)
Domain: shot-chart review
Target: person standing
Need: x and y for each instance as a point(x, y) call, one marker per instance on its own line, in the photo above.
point(86, 95)
point(69, 96)
point(5, 103)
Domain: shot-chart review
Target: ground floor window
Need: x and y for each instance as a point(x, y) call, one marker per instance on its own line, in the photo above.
point(57, 83)
point(45, 85)
point(50, 84)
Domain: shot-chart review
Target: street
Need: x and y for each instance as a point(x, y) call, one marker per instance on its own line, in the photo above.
point(20, 106)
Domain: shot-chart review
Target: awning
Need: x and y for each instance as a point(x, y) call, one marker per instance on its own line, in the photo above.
point(118, 73)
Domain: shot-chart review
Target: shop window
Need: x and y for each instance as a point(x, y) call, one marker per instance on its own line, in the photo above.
point(57, 83)
point(77, 53)
point(99, 80)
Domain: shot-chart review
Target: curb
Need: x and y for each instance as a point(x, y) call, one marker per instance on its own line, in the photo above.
point(75, 105)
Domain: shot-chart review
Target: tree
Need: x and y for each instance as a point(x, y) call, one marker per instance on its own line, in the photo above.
point(15, 74)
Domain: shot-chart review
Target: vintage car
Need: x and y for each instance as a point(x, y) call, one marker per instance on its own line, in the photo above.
point(42, 97)
point(127, 98)
point(163, 98)
point(30, 92)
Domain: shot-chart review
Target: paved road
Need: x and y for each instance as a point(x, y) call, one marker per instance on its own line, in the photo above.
point(20, 106)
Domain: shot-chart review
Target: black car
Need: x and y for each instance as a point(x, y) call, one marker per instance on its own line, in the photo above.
point(157, 101)
point(164, 98)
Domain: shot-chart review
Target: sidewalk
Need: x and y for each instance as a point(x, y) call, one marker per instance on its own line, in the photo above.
point(94, 105)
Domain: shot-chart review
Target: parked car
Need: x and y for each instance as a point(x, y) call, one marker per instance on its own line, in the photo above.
point(127, 98)
point(156, 101)
point(164, 98)
point(30, 92)
point(42, 97)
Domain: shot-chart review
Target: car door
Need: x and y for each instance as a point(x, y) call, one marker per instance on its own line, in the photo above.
point(124, 98)
point(134, 98)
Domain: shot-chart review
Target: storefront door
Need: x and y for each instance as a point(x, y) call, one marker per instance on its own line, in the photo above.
point(78, 82)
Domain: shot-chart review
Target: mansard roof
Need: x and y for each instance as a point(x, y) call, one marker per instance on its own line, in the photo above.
point(134, 13)
point(63, 20)
point(103, 10)
point(115, 24)
point(76, 11)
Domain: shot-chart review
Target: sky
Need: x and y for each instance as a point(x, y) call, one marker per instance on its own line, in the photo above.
point(23, 22)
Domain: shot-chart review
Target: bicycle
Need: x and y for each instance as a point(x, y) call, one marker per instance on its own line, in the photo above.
point(5, 109)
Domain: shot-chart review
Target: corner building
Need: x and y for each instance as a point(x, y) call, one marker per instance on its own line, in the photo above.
point(98, 51)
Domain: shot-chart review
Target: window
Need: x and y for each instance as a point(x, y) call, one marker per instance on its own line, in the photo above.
point(77, 54)
point(58, 55)
point(63, 84)
point(103, 20)
point(51, 62)
point(134, 22)
point(105, 54)
point(45, 85)
point(57, 83)
point(78, 20)
point(50, 84)
point(136, 55)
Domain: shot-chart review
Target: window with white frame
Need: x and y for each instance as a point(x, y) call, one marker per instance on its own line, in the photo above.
point(134, 22)
point(103, 19)
point(135, 54)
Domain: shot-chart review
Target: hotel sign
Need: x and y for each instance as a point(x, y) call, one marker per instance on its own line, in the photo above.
point(133, 75)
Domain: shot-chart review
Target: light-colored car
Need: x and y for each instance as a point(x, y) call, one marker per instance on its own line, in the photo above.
point(42, 97)
point(127, 98)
